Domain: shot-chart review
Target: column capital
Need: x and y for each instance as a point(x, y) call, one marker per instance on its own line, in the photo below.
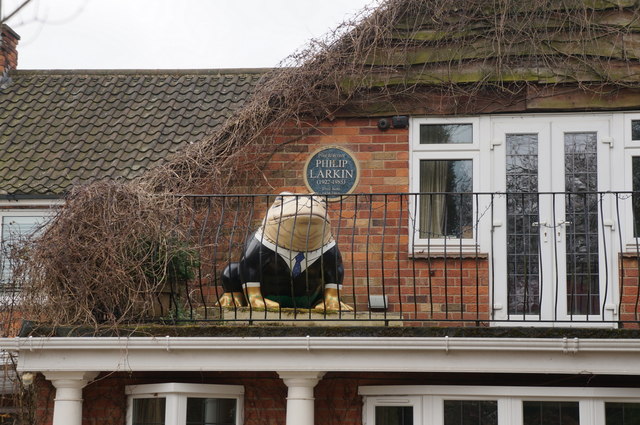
point(301, 379)
point(67, 409)
point(300, 395)
point(70, 379)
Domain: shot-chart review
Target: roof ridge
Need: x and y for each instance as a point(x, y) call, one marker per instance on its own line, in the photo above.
point(78, 72)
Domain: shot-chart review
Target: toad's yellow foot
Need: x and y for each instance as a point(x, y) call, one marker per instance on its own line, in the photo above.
point(256, 300)
point(332, 302)
point(232, 299)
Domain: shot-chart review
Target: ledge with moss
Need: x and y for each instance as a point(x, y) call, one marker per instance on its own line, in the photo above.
point(209, 330)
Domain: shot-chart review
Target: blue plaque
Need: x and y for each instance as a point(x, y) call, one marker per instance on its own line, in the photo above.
point(331, 171)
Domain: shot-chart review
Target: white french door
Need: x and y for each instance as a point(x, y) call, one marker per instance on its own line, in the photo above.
point(552, 255)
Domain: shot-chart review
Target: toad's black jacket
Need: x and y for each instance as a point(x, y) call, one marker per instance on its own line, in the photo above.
point(278, 281)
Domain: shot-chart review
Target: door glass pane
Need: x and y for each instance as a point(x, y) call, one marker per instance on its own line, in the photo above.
point(470, 412)
point(635, 169)
point(211, 411)
point(148, 411)
point(622, 413)
point(523, 260)
point(551, 413)
point(581, 184)
point(446, 210)
point(446, 133)
point(394, 415)
point(635, 129)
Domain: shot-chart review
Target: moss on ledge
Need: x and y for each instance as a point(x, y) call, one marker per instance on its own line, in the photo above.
point(209, 330)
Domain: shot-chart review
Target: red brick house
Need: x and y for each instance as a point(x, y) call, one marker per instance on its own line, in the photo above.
point(489, 240)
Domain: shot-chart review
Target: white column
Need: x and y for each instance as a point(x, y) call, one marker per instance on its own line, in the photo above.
point(67, 408)
point(300, 400)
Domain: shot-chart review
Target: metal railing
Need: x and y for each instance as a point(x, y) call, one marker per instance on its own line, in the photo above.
point(411, 259)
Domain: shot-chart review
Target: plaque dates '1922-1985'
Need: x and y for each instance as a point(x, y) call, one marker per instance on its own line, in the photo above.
point(331, 171)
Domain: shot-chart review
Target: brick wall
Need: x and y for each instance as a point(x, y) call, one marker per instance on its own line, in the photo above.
point(105, 402)
point(8, 49)
point(383, 155)
point(337, 400)
point(336, 396)
point(43, 400)
point(629, 284)
point(372, 230)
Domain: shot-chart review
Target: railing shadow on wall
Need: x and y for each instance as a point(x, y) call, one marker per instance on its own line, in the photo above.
point(423, 259)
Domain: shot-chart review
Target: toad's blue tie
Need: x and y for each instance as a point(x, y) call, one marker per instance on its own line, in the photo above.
point(297, 268)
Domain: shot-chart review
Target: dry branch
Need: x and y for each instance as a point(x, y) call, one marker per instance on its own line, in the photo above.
point(92, 265)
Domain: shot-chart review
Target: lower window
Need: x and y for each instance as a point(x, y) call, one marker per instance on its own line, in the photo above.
point(394, 415)
point(184, 404)
point(470, 412)
point(428, 405)
point(551, 412)
point(622, 413)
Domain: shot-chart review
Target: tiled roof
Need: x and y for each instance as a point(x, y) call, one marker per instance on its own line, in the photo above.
point(60, 128)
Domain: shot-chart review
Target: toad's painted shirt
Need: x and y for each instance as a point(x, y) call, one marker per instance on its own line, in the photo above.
point(298, 261)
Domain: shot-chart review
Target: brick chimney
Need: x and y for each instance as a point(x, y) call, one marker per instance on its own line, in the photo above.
point(8, 50)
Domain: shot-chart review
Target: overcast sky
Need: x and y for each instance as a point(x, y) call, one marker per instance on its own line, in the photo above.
point(168, 34)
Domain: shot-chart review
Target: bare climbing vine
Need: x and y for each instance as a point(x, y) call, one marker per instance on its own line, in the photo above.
point(117, 247)
point(108, 251)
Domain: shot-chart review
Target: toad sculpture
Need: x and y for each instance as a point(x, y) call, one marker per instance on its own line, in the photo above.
point(292, 260)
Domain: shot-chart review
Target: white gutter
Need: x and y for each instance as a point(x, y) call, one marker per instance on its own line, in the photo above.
point(168, 343)
point(430, 354)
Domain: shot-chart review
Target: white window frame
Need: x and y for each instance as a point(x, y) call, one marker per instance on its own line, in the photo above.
point(176, 395)
point(628, 137)
point(614, 174)
point(414, 134)
point(631, 149)
point(46, 214)
point(441, 151)
point(631, 242)
point(430, 400)
point(399, 401)
point(24, 212)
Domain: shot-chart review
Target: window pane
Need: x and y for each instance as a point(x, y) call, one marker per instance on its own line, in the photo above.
point(16, 230)
point(635, 130)
point(394, 415)
point(446, 133)
point(211, 411)
point(622, 413)
point(444, 210)
point(635, 170)
point(582, 209)
point(551, 413)
point(471, 412)
point(521, 165)
point(148, 411)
